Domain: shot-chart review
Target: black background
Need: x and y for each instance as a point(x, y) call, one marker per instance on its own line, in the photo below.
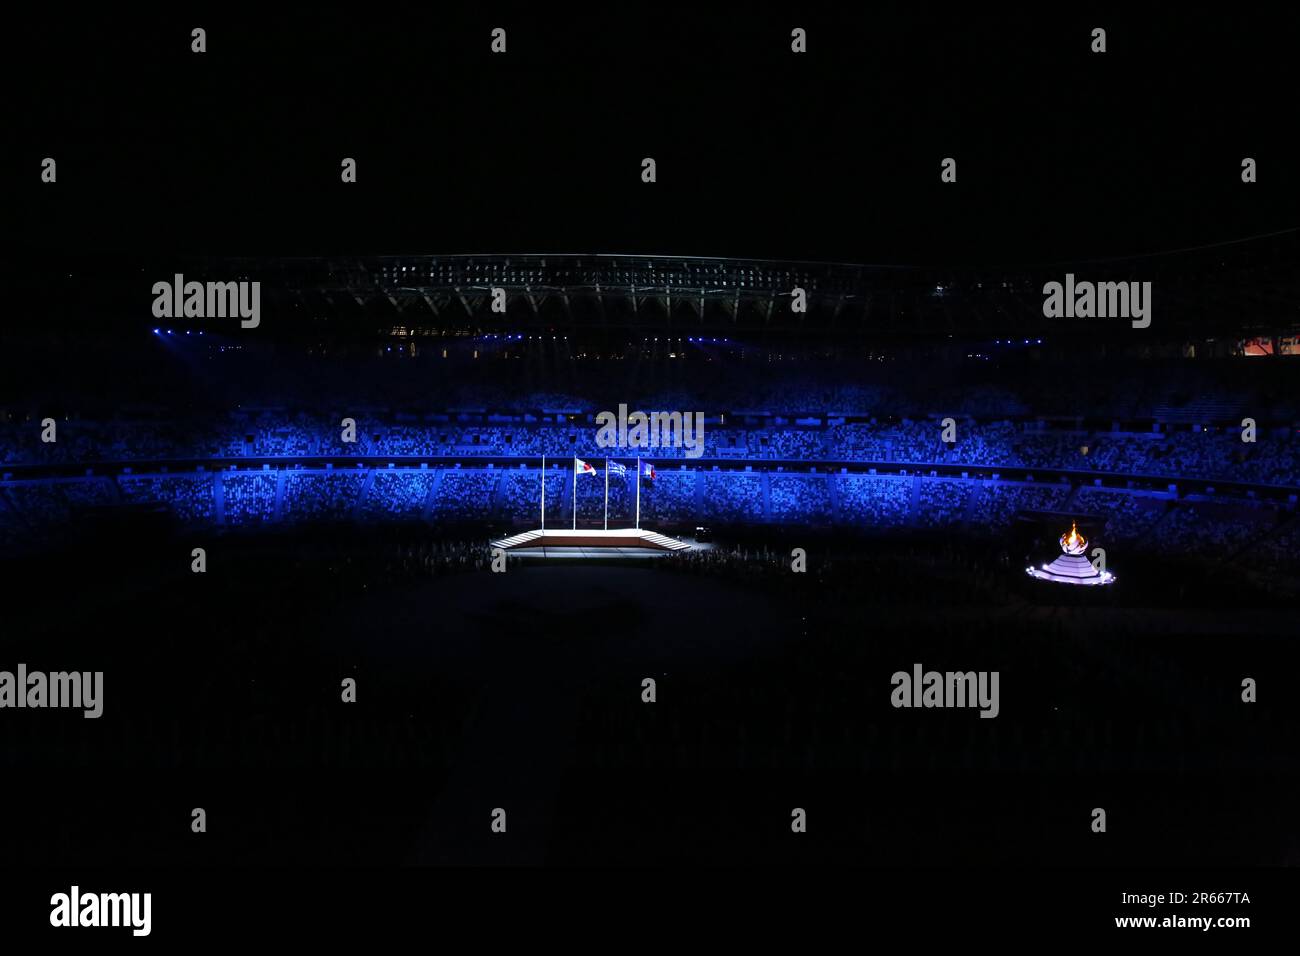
point(829, 155)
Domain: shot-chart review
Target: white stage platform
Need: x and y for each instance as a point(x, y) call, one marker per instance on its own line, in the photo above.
point(565, 542)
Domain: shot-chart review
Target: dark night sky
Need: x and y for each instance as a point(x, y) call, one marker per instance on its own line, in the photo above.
point(832, 155)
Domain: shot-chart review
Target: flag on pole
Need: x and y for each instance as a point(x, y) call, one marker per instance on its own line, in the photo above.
point(648, 470)
point(580, 467)
point(616, 468)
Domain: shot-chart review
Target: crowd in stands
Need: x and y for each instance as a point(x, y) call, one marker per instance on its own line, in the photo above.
point(874, 501)
point(1128, 517)
point(464, 494)
point(860, 442)
point(1000, 502)
point(191, 497)
point(671, 498)
point(1195, 453)
point(398, 493)
point(1208, 532)
point(944, 502)
point(40, 504)
point(330, 495)
point(519, 494)
point(709, 494)
point(800, 499)
point(814, 439)
point(249, 498)
point(734, 497)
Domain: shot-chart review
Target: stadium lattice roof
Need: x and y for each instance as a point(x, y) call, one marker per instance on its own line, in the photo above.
point(1239, 287)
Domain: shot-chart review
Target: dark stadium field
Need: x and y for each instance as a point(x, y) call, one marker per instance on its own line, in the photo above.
point(773, 692)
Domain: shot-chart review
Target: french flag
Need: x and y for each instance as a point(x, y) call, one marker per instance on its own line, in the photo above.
point(648, 470)
point(580, 467)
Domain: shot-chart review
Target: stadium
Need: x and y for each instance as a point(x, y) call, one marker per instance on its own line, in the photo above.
point(642, 440)
point(379, 442)
point(824, 419)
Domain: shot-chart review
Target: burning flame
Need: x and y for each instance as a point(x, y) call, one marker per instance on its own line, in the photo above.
point(1074, 543)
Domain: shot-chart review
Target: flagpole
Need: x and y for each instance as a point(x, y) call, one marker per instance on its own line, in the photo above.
point(575, 494)
point(606, 494)
point(638, 492)
point(543, 492)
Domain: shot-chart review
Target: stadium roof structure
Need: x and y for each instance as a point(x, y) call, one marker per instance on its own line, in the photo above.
point(1244, 288)
point(1249, 286)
